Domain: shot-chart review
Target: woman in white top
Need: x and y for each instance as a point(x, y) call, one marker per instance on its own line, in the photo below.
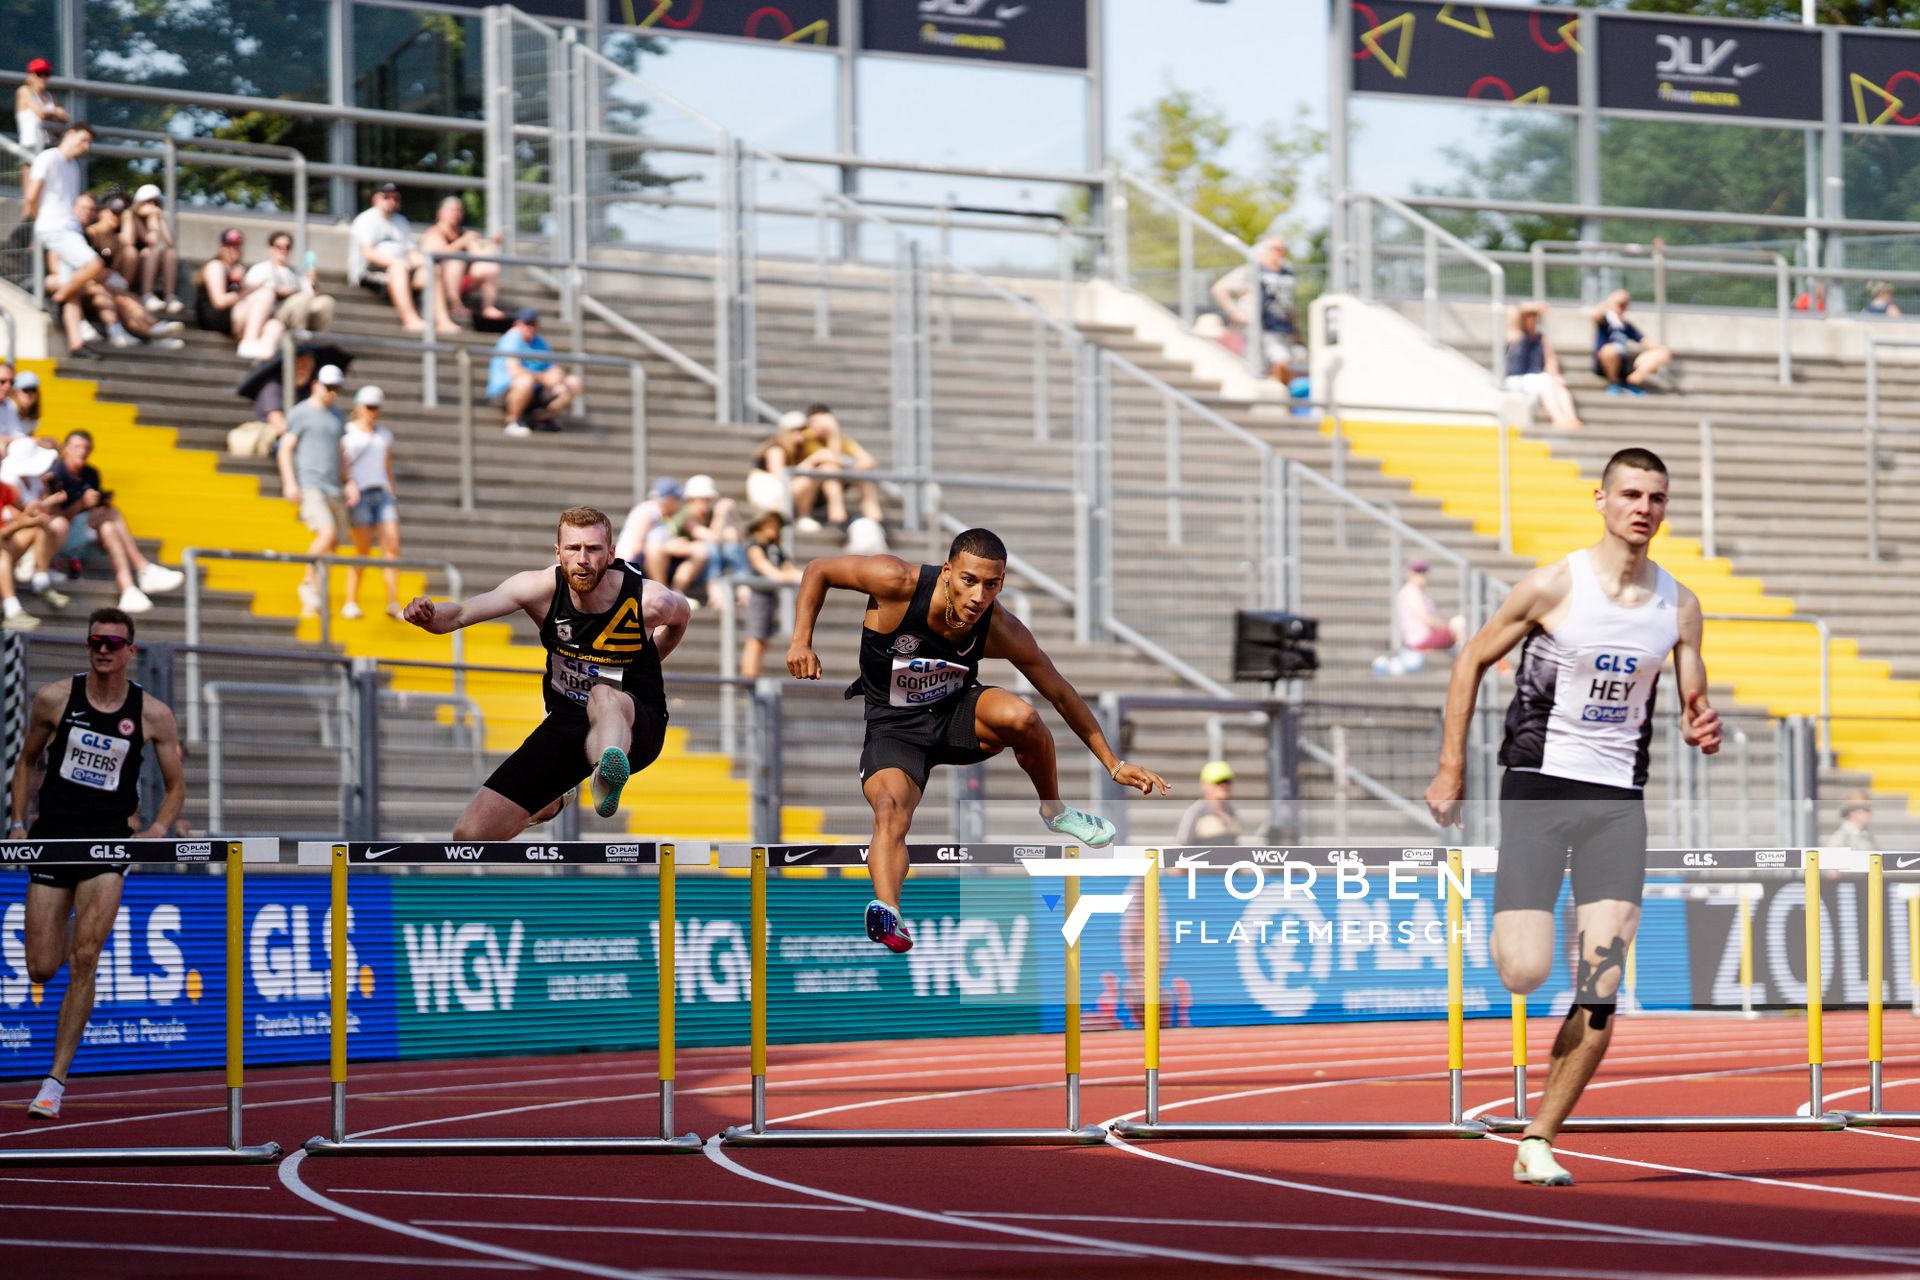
point(33, 106)
point(366, 456)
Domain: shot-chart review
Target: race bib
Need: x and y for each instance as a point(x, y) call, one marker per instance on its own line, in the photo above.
point(918, 682)
point(1608, 685)
point(574, 678)
point(94, 759)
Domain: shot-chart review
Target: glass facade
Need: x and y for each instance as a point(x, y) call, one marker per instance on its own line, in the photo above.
point(426, 63)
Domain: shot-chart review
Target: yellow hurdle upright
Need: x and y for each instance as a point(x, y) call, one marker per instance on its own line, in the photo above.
point(1876, 1114)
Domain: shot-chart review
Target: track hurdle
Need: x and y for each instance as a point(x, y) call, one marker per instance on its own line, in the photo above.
point(757, 859)
point(1690, 862)
point(339, 856)
point(26, 854)
point(1876, 1115)
point(1454, 865)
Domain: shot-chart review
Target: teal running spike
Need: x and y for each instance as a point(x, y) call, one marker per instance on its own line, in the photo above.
point(608, 780)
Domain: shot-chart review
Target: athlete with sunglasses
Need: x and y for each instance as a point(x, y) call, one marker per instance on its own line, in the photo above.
point(91, 729)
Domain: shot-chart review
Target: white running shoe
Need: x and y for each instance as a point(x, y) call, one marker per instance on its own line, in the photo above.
point(153, 304)
point(46, 1103)
point(1533, 1163)
point(157, 578)
point(166, 329)
point(255, 350)
point(19, 620)
point(134, 600)
point(350, 611)
point(517, 429)
point(119, 339)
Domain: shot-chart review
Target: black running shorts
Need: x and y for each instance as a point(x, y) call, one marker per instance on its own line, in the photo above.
point(69, 877)
point(915, 739)
point(553, 759)
point(1544, 820)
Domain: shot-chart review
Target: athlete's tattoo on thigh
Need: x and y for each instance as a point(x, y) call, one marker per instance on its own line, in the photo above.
point(1609, 957)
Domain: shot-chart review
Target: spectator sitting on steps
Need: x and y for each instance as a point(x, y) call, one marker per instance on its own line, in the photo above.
point(1422, 629)
point(466, 289)
point(107, 300)
point(295, 299)
point(1533, 369)
point(86, 513)
point(1624, 356)
point(1856, 816)
point(532, 392)
point(152, 262)
point(381, 257)
point(227, 304)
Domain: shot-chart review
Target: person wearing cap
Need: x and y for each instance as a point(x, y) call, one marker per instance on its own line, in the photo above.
point(224, 303)
point(381, 257)
point(532, 392)
point(310, 474)
point(33, 106)
point(295, 300)
point(367, 453)
point(53, 184)
point(1856, 816)
point(10, 423)
point(23, 469)
point(147, 241)
point(85, 513)
point(1212, 818)
point(697, 544)
point(22, 524)
point(107, 300)
point(660, 505)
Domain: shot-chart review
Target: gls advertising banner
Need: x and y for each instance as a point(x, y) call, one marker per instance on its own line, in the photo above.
point(160, 1001)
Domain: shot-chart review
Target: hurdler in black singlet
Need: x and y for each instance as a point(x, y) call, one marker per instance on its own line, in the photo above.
point(93, 767)
point(920, 689)
point(611, 647)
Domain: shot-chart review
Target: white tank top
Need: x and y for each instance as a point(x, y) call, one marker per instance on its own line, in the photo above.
point(33, 134)
point(1583, 694)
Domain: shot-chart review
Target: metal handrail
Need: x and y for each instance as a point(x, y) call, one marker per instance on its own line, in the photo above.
point(1825, 636)
point(1189, 221)
point(235, 102)
point(1433, 235)
point(1873, 429)
point(213, 693)
point(1869, 431)
point(191, 557)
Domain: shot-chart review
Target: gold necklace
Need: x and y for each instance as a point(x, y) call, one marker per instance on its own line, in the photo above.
point(946, 600)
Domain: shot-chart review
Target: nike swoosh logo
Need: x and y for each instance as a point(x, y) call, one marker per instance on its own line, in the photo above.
point(379, 853)
point(1903, 863)
point(795, 856)
point(969, 649)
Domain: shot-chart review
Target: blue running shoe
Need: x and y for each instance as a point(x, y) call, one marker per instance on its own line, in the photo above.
point(1088, 829)
point(608, 780)
point(885, 927)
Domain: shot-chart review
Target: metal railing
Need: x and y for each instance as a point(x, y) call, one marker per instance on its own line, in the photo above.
point(1824, 638)
point(1357, 208)
point(1869, 432)
point(1708, 258)
point(192, 557)
point(1121, 186)
point(1874, 428)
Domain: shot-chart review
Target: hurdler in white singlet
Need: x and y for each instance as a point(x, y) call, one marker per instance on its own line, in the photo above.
point(1584, 692)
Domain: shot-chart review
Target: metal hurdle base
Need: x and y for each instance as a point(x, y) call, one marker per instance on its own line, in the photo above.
point(265, 1153)
point(687, 1144)
point(1826, 1120)
point(1328, 1130)
point(1881, 1119)
point(746, 1136)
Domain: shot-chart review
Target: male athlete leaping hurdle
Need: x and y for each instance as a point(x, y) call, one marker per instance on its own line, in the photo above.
point(606, 629)
point(927, 628)
point(1595, 629)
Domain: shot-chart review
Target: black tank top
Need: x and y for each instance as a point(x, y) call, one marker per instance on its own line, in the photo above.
point(93, 763)
point(914, 666)
point(612, 648)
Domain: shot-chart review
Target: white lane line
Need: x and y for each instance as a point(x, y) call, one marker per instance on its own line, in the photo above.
point(789, 1237)
point(1451, 1233)
point(527, 1195)
point(278, 1255)
point(289, 1170)
point(719, 1156)
point(168, 1213)
point(143, 1184)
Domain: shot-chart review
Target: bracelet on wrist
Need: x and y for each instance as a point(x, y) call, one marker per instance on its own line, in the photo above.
point(1114, 773)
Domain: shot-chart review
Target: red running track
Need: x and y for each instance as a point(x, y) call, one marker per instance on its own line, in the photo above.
point(1647, 1205)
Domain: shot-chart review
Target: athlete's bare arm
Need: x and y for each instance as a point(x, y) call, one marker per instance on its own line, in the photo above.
point(1699, 723)
point(1010, 639)
point(667, 614)
point(1536, 595)
point(885, 578)
point(163, 735)
point(42, 719)
point(530, 590)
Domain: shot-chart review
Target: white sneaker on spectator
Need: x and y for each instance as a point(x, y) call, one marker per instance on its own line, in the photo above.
point(807, 524)
point(19, 620)
point(255, 350)
point(88, 333)
point(119, 339)
point(309, 600)
point(166, 329)
point(166, 344)
point(54, 599)
point(153, 304)
point(157, 578)
point(175, 307)
point(350, 611)
point(134, 600)
point(517, 429)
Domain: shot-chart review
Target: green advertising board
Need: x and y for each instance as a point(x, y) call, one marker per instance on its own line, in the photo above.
point(489, 966)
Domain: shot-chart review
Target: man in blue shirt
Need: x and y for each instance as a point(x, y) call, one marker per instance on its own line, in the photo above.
point(532, 392)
